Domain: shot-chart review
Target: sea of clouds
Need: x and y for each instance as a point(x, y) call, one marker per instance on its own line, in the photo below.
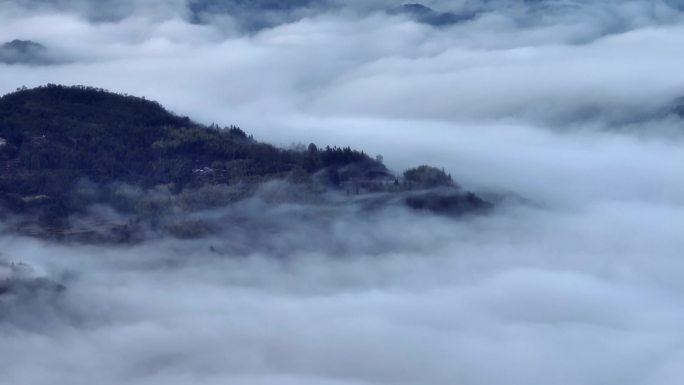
point(566, 105)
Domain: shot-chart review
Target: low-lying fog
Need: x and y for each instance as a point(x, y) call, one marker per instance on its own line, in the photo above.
point(577, 281)
point(525, 296)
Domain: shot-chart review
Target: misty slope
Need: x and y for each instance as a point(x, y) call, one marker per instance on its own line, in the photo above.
point(65, 149)
point(85, 132)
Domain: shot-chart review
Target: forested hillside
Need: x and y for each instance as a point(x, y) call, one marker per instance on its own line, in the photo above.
point(55, 138)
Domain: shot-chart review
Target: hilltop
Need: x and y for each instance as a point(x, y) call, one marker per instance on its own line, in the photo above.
point(64, 149)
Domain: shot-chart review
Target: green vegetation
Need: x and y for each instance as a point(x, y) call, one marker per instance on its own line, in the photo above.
point(65, 149)
point(54, 136)
point(428, 177)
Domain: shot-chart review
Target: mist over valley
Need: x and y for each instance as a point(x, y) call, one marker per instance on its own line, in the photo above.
point(341, 192)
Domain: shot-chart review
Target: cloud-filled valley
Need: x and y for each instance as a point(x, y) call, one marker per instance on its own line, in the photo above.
point(566, 107)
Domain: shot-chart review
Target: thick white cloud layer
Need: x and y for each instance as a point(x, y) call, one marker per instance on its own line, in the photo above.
point(563, 104)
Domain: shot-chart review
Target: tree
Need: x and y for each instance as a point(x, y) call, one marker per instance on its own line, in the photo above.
point(427, 177)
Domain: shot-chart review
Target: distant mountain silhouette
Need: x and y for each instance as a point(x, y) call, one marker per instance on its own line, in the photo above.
point(253, 14)
point(24, 52)
point(259, 14)
point(427, 15)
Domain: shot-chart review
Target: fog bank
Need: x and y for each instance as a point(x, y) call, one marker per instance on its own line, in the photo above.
point(565, 105)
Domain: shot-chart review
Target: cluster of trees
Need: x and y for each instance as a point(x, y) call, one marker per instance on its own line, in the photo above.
point(427, 177)
point(56, 135)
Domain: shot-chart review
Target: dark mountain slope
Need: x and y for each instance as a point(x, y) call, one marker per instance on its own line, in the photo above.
point(86, 132)
point(55, 139)
point(92, 106)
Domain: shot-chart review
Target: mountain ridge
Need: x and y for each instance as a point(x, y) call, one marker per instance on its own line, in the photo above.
point(54, 140)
